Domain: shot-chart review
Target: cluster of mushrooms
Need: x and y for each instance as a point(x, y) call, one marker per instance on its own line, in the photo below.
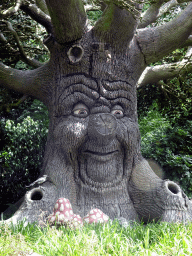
point(63, 216)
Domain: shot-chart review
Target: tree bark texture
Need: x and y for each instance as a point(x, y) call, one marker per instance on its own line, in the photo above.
point(93, 154)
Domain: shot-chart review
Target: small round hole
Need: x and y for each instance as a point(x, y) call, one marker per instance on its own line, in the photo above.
point(36, 195)
point(173, 188)
point(75, 53)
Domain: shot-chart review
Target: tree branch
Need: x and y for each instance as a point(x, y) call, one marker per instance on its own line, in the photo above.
point(16, 104)
point(116, 26)
point(166, 7)
point(11, 10)
point(2, 38)
point(68, 19)
point(42, 5)
point(155, 11)
point(133, 6)
point(161, 72)
point(7, 45)
point(160, 41)
point(151, 14)
point(32, 62)
point(36, 83)
point(38, 15)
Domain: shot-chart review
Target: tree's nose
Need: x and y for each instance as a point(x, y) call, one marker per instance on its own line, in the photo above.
point(102, 128)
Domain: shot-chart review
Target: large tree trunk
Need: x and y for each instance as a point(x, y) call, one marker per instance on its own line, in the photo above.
point(93, 154)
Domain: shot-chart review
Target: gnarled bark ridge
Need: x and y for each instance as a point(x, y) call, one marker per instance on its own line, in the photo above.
point(93, 154)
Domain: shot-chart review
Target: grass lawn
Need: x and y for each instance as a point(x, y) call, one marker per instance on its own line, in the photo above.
point(109, 239)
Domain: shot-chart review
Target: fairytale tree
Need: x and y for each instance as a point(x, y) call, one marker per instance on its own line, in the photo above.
point(89, 85)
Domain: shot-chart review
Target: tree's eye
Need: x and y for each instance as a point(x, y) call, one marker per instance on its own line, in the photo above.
point(80, 110)
point(118, 113)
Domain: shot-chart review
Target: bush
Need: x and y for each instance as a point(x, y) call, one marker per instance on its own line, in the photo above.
point(169, 144)
point(21, 157)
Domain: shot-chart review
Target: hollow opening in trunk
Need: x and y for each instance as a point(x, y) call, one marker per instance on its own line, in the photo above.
point(75, 53)
point(36, 195)
point(173, 188)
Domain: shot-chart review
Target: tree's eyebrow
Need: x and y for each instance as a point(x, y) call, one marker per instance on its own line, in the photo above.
point(117, 94)
point(117, 85)
point(117, 89)
point(75, 88)
point(78, 79)
point(79, 83)
point(65, 107)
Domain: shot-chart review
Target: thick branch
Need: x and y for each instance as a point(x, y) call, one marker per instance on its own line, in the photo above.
point(151, 14)
point(160, 41)
point(161, 72)
point(116, 26)
point(32, 62)
point(68, 19)
point(32, 82)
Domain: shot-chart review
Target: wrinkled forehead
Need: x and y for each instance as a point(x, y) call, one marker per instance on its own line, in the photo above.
point(93, 91)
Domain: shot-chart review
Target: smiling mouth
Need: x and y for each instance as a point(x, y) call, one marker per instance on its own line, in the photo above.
point(96, 167)
point(99, 154)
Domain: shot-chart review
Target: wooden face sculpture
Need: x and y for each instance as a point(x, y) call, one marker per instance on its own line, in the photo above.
point(96, 139)
point(92, 157)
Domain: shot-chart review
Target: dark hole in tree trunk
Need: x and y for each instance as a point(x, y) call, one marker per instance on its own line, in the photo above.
point(76, 52)
point(36, 195)
point(173, 188)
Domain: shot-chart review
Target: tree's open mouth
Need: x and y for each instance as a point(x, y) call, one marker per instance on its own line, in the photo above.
point(96, 167)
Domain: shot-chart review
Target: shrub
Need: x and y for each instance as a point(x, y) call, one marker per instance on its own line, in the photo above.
point(168, 144)
point(21, 157)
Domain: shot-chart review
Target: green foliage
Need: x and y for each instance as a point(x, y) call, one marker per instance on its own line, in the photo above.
point(169, 144)
point(21, 157)
point(177, 106)
point(93, 16)
point(38, 112)
point(166, 126)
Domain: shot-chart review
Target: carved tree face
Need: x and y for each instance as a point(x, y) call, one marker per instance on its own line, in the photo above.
point(96, 129)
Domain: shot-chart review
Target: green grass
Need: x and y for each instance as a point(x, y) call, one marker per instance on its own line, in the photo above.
point(109, 239)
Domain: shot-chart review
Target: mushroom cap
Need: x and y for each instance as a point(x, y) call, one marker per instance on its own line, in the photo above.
point(62, 212)
point(63, 206)
point(96, 216)
point(76, 222)
point(63, 215)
